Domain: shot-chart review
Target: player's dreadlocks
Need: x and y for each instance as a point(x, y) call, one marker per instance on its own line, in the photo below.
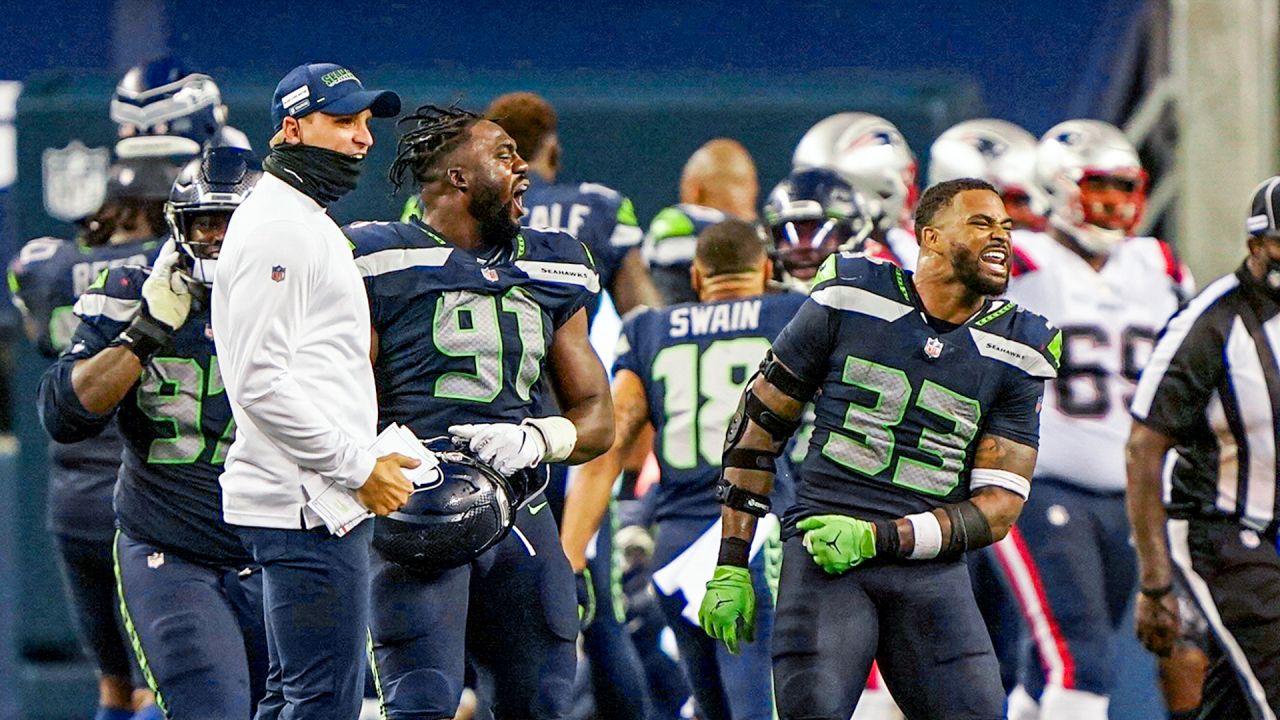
point(435, 132)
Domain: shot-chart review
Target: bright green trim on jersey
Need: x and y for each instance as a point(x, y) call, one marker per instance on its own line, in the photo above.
point(99, 282)
point(1003, 309)
point(412, 209)
point(587, 250)
point(13, 283)
point(1054, 348)
point(627, 213)
point(132, 630)
point(902, 283)
point(377, 679)
point(671, 222)
point(520, 245)
point(826, 271)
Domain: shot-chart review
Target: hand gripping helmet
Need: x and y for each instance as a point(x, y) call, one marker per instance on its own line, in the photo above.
point(163, 109)
point(466, 509)
point(201, 201)
point(999, 152)
point(1095, 181)
point(811, 214)
point(871, 154)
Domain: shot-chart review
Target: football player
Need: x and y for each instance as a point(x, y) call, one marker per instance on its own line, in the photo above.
point(604, 221)
point(925, 439)
point(1001, 153)
point(873, 156)
point(1069, 560)
point(812, 214)
point(718, 182)
point(681, 369)
point(191, 600)
point(46, 278)
point(468, 311)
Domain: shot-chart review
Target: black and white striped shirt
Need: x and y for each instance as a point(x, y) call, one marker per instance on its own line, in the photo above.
point(1213, 385)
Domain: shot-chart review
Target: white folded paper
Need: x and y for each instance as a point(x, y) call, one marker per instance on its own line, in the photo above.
point(336, 505)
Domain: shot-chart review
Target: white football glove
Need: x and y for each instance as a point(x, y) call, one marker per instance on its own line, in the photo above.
point(504, 446)
point(165, 295)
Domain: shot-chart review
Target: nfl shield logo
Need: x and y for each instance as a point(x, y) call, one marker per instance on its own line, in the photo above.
point(933, 347)
point(75, 180)
point(277, 273)
point(489, 274)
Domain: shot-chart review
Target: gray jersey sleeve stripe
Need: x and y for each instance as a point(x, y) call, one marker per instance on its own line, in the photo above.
point(853, 299)
point(1012, 352)
point(389, 261)
point(1176, 331)
point(98, 305)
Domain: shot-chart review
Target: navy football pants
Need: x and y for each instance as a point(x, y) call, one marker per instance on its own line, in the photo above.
point(197, 631)
point(513, 611)
point(918, 620)
point(316, 599)
point(726, 686)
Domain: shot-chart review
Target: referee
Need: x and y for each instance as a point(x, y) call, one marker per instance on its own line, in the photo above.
point(291, 323)
point(1211, 394)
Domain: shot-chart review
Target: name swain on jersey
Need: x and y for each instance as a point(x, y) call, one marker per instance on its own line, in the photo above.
point(709, 320)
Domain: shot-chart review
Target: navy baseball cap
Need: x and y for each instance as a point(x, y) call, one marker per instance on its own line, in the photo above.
point(330, 88)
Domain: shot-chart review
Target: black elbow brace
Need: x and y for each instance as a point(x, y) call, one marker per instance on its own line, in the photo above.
point(969, 530)
point(780, 377)
point(732, 496)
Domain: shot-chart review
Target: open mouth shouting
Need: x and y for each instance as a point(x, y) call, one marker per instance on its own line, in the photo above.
point(995, 259)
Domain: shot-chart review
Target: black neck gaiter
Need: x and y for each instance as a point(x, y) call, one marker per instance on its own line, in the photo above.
point(321, 174)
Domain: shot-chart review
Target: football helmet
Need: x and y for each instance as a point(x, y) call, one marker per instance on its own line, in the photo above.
point(201, 201)
point(811, 214)
point(872, 155)
point(1095, 182)
point(999, 152)
point(163, 109)
point(467, 508)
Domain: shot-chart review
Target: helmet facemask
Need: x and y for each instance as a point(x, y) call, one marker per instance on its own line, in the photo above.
point(198, 232)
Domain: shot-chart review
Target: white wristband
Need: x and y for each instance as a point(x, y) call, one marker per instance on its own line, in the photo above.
point(928, 536)
point(558, 433)
point(992, 477)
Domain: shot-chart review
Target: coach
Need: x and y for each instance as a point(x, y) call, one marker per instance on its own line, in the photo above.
point(1211, 393)
point(291, 324)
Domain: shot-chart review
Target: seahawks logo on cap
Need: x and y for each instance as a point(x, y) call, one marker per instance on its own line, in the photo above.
point(336, 76)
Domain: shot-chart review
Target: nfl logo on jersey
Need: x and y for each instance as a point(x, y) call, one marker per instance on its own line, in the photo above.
point(933, 347)
point(489, 274)
point(277, 273)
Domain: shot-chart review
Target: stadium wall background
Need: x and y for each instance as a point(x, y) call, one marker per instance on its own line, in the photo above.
point(638, 87)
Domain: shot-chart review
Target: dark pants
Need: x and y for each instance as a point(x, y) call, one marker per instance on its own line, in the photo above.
point(725, 686)
point(1073, 574)
point(513, 611)
point(197, 631)
point(617, 676)
point(88, 579)
point(316, 597)
point(918, 620)
point(1234, 577)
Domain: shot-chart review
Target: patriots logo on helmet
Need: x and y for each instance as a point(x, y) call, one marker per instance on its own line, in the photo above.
point(989, 148)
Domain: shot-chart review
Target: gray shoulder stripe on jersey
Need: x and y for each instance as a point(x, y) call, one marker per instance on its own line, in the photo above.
point(853, 299)
point(1012, 352)
point(626, 236)
point(558, 272)
point(1176, 331)
point(389, 261)
point(98, 305)
point(673, 250)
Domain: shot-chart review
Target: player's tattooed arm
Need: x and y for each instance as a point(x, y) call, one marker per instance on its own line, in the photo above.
point(999, 482)
point(631, 285)
point(582, 387)
point(591, 491)
point(748, 436)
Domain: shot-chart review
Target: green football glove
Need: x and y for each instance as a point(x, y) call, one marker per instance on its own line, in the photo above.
point(838, 542)
point(728, 610)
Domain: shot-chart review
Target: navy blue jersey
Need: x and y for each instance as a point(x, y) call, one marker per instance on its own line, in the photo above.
point(695, 360)
point(902, 404)
point(462, 339)
point(669, 246)
point(600, 217)
point(45, 279)
point(176, 423)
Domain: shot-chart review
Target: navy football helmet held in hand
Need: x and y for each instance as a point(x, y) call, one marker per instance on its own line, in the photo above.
point(468, 508)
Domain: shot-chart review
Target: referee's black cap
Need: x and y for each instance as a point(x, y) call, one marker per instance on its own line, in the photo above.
point(1263, 210)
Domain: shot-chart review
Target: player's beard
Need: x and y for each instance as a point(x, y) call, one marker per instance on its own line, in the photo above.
point(493, 215)
point(968, 269)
